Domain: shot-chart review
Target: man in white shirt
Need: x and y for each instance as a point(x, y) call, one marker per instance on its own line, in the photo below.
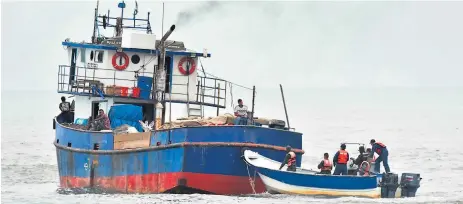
point(241, 113)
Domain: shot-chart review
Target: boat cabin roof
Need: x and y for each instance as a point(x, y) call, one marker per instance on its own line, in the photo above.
point(169, 50)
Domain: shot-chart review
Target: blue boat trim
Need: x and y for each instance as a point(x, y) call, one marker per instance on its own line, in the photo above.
point(339, 182)
point(178, 128)
point(109, 47)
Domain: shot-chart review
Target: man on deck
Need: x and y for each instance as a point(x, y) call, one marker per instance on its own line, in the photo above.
point(65, 108)
point(381, 150)
point(241, 113)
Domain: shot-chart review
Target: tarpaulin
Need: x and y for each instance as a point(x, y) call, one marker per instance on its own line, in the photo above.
point(126, 114)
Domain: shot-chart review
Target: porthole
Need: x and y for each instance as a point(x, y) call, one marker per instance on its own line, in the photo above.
point(99, 56)
point(135, 59)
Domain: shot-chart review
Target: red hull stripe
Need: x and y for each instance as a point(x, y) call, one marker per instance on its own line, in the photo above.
point(159, 183)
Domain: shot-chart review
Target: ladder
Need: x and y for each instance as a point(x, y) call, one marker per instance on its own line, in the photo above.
point(195, 110)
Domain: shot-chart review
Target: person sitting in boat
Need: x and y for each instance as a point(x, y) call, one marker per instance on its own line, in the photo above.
point(363, 156)
point(325, 165)
point(65, 115)
point(364, 168)
point(290, 160)
point(241, 113)
point(101, 122)
point(340, 160)
point(381, 150)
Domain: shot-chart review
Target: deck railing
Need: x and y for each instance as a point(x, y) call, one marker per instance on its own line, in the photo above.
point(108, 82)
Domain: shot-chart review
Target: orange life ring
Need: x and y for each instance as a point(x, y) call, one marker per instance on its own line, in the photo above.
point(122, 66)
point(182, 69)
point(366, 168)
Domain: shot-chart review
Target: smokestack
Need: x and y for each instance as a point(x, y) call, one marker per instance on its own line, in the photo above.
point(164, 38)
point(162, 48)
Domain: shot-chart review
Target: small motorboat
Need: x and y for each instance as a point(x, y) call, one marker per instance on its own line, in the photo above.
point(310, 182)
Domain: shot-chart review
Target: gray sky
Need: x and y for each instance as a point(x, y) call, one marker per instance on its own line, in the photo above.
point(297, 44)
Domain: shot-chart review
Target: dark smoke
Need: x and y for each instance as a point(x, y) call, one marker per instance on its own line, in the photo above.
point(192, 14)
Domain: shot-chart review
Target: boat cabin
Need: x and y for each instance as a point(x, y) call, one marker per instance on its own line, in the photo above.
point(134, 67)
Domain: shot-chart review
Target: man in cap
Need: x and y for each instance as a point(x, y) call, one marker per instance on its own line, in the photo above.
point(340, 160)
point(290, 160)
point(380, 149)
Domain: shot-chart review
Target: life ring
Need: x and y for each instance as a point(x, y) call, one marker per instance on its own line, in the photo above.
point(122, 66)
point(182, 69)
point(364, 168)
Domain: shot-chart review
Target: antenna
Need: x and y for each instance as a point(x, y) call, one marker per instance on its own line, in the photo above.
point(162, 23)
point(95, 22)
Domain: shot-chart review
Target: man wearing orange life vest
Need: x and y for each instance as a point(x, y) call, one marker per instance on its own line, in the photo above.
point(381, 150)
point(290, 160)
point(340, 160)
point(325, 165)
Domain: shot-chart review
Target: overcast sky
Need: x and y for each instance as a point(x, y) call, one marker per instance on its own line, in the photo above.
point(297, 44)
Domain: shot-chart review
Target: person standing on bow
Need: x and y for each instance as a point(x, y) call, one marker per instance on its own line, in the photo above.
point(325, 165)
point(340, 160)
point(290, 160)
point(65, 115)
point(241, 113)
point(380, 149)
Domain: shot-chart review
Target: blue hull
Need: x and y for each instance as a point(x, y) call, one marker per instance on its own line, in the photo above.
point(192, 156)
point(317, 184)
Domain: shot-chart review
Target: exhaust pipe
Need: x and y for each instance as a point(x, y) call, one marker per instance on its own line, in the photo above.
point(162, 48)
point(164, 38)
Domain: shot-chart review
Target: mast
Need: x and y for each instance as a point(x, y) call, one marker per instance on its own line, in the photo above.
point(95, 22)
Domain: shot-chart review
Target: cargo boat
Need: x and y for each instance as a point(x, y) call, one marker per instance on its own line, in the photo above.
point(133, 77)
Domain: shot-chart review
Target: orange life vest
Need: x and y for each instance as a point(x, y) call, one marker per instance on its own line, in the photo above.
point(343, 157)
point(292, 159)
point(378, 150)
point(327, 165)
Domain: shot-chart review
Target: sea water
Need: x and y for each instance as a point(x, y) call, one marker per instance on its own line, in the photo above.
point(423, 129)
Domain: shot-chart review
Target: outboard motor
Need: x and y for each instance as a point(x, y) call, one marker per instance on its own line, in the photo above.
point(409, 183)
point(389, 184)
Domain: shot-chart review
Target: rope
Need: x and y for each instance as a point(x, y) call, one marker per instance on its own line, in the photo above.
point(231, 94)
point(251, 181)
point(205, 74)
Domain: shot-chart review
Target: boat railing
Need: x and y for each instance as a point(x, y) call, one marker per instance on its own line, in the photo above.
point(90, 80)
point(208, 91)
point(122, 83)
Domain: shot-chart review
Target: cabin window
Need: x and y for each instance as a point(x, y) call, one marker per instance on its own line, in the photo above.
point(99, 56)
point(135, 59)
point(82, 55)
point(91, 55)
point(168, 62)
